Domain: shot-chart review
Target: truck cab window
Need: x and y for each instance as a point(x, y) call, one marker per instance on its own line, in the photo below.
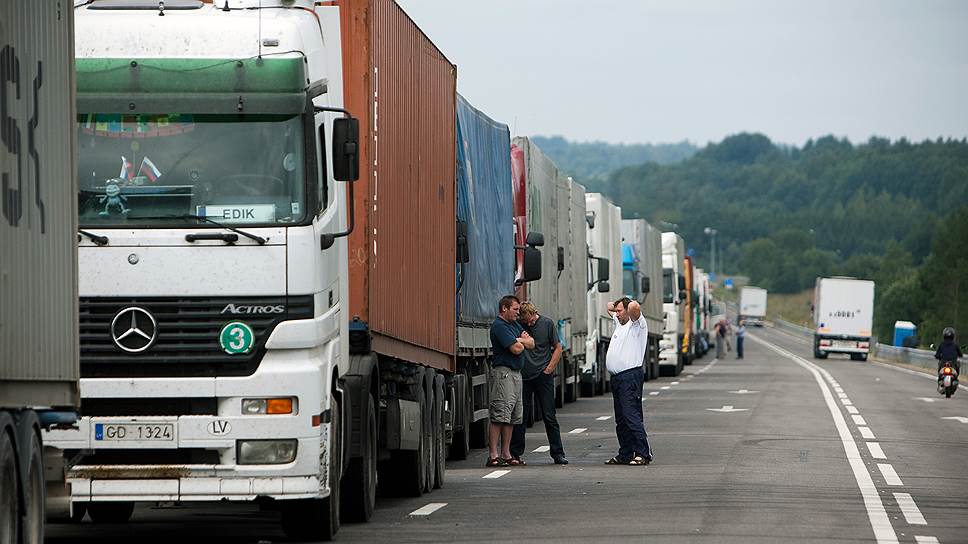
point(668, 286)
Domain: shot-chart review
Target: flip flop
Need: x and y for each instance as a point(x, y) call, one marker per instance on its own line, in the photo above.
point(496, 462)
point(638, 460)
point(515, 462)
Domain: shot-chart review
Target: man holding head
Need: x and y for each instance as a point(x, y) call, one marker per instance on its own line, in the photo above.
point(508, 342)
point(626, 351)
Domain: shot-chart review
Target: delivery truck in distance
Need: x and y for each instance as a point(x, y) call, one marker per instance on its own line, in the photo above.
point(752, 305)
point(843, 312)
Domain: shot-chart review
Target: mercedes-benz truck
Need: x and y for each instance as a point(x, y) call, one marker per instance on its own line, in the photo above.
point(642, 281)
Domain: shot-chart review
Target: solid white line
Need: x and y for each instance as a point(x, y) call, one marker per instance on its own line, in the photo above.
point(603, 418)
point(866, 432)
point(851, 410)
point(541, 449)
point(496, 474)
point(579, 430)
point(654, 393)
point(876, 451)
point(880, 523)
point(910, 509)
point(859, 420)
point(926, 540)
point(889, 474)
point(429, 509)
point(929, 375)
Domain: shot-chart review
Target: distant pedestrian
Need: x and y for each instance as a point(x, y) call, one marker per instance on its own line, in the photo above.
point(538, 376)
point(740, 335)
point(626, 351)
point(508, 342)
point(722, 338)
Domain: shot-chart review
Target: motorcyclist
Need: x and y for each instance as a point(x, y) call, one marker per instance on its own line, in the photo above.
point(948, 351)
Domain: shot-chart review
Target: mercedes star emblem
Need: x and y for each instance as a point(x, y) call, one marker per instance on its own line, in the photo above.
point(134, 329)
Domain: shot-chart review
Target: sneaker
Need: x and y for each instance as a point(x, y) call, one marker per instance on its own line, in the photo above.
point(560, 460)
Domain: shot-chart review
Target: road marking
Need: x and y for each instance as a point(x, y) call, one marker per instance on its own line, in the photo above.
point(674, 383)
point(926, 540)
point(852, 410)
point(743, 392)
point(926, 399)
point(727, 409)
point(603, 418)
point(866, 432)
point(876, 451)
point(664, 387)
point(880, 523)
point(496, 474)
point(846, 402)
point(579, 430)
point(541, 449)
point(910, 509)
point(654, 393)
point(858, 420)
point(838, 390)
point(429, 509)
point(890, 475)
point(842, 395)
point(958, 418)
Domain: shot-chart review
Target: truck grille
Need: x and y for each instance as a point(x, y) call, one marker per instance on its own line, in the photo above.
point(187, 335)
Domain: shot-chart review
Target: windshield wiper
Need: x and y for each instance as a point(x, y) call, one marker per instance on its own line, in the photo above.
point(97, 239)
point(262, 241)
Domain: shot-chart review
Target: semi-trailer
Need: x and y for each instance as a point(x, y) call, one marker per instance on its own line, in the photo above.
point(642, 281)
point(843, 312)
point(752, 305)
point(38, 263)
point(604, 238)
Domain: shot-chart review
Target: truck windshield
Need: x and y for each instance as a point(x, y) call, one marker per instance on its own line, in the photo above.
point(668, 284)
point(240, 169)
point(628, 284)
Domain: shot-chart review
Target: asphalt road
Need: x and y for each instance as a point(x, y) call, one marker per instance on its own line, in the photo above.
point(776, 447)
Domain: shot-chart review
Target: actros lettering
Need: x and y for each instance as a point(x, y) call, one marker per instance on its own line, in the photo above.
point(253, 309)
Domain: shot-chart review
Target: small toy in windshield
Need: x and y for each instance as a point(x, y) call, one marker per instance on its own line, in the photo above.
point(113, 199)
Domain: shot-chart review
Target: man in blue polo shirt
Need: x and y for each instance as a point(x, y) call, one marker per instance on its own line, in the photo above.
point(508, 342)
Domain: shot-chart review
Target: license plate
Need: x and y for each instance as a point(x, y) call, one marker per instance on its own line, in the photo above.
point(845, 344)
point(135, 432)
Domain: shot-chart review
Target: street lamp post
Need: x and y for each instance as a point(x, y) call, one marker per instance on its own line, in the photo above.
point(711, 232)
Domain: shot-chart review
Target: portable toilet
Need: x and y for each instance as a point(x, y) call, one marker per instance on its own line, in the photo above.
point(902, 330)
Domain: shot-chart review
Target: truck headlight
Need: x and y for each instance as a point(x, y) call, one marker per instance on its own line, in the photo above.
point(283, 405)
point(265, 452)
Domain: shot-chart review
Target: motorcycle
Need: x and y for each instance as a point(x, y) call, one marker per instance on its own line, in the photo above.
point(947, 379)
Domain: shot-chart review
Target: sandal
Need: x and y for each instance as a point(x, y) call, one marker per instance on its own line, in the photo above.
point(515, 462)
point(616, 461)
point(638, 460)
point(496, 462)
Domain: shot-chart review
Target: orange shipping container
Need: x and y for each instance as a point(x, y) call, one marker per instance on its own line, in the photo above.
point(402, 249)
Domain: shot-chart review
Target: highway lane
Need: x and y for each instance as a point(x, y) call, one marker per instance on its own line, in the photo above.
point(746, 451)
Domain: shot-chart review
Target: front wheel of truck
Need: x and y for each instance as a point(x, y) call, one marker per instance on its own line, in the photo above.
point(359, 484)
point(318, 519)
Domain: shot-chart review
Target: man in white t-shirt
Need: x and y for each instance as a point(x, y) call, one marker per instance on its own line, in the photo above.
point(626, 352)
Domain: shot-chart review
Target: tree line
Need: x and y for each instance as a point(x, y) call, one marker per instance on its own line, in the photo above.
point(895, 212)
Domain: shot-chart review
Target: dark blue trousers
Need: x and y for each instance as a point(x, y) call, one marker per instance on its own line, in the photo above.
point(739, 347)
point(543, 387)
point(629, 423)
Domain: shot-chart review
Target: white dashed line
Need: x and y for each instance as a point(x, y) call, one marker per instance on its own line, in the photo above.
point(859, 420)
point(495, 474)
point(866, 432)
point(846, 402)
point(579, 430)
point(664, 387)
point(541, 449)
point(890, 475)
point(852, 410)
point(654, 393)
point(603, 418)
point(674, 383)
point(909, 509)
point(876, 451)
point(842, 395)
point(926, 540)
point(429, 509)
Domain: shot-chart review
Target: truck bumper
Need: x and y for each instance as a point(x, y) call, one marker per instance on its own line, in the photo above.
point(142, 470)
point(667, 351)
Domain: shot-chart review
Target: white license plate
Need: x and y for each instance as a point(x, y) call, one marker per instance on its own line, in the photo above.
point(135, 432)
point(844, 344)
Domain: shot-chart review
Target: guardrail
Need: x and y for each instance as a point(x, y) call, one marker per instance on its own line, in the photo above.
point(917, 357)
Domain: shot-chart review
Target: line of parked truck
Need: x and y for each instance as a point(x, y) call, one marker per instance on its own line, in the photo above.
point(292, 234)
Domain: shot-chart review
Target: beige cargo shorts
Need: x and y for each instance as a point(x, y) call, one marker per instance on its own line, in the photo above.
point(506, 396)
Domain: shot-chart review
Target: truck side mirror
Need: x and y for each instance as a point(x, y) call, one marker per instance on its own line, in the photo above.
point(646, 285)
point(346, 148)
point(682, 283)
point(534, 239)
point(561, 258)
point(603, 269)
point(463, 249)
point(603, 287)
point(590, 219)
point(682, 295)
point(532, 264)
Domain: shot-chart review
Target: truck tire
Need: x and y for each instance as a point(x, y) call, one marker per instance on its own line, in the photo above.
point(571, 391)
point(359, 482)
point(440, 441)
point(110, 512)
point(317, 519)
point(460, 444)
point(430, 447)
point(478, 438)
point(562, 371)
point(9, 483)
point(34, 485)
point(858, 356)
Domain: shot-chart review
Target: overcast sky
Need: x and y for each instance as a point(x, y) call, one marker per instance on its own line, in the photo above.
point(639, 71)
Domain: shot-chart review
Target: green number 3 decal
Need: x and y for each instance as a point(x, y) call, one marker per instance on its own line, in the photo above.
point(237, 337)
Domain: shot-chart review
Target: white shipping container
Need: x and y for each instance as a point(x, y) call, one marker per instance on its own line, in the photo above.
point(752, 304)
point(844, 307)
point(38, 221)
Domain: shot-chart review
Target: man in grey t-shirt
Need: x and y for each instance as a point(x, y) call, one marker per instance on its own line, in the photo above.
point(538, 377)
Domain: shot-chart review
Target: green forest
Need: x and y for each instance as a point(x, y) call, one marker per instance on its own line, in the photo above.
point(894, 212)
